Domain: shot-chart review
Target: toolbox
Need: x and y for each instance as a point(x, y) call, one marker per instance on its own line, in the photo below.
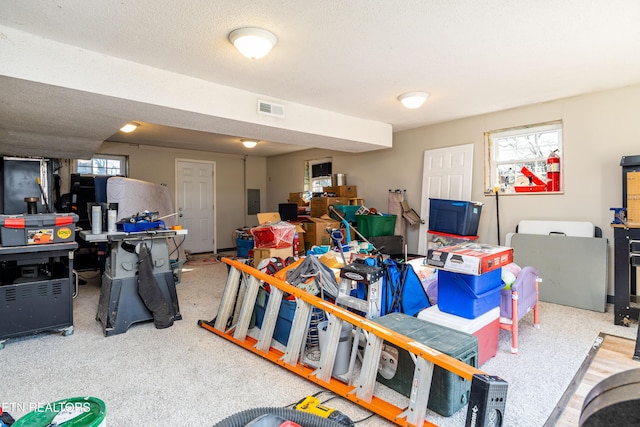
point(449, 392)
point(37, 229)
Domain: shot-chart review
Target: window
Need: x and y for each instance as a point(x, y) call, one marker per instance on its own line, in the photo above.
point(317, 174)
point(104, 165)
point(524, 159)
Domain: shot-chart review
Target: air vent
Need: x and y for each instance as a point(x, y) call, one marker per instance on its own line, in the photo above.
point(10, 295)
point(270, 109)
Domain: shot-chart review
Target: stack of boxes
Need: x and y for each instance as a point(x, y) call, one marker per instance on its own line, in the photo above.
point(315, 226)
point(335, 195)
point(272, 238)
point(469, 275)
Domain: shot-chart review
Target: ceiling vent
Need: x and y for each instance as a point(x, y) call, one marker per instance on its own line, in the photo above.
point(270, 109)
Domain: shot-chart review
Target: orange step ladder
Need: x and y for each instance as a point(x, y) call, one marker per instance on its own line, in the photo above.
point(232, 323)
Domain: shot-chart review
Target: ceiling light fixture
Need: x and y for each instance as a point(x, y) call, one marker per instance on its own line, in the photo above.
point(129, 127)
point(249, 143)
point(413, 99)
point(254, 43)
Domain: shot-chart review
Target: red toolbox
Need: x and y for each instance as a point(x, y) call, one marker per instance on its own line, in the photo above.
point(37, 229)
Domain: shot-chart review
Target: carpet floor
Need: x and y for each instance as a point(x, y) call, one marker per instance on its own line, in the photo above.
point(187, 376)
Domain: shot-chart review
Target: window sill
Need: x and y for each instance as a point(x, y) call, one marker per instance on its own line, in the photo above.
point(525, 193)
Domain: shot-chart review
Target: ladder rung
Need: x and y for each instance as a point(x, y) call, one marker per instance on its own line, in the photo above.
point(246, 311)
point(299, 330)
point(353, 302)
point(420, 388)
point(270, 317)
point(328, 353)
point(367, 380)
point(225, 311)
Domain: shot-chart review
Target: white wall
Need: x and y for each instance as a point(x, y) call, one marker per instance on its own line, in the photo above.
point(157, 164)
point(599, 129)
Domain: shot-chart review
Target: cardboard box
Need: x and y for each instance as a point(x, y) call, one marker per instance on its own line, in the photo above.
point(264, 217)
point(298, 198)
point(320, 205)
point(348, 191)
point(315, 233)
point(470, 258)
point(261, 253)
point(437, 239)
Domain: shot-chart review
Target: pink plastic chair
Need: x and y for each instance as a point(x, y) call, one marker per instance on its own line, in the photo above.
point(516, 302)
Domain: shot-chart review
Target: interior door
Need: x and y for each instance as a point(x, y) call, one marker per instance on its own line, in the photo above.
point(196, 210)
point(447, 174)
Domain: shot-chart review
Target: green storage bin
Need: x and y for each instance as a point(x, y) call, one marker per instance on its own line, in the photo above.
point(376, 225)
point(449, 392)
point(348, 212)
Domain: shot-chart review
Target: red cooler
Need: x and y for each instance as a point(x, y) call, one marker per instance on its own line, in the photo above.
point(485, 327)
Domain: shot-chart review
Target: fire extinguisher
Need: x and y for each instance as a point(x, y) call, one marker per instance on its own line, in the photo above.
point(553, 171)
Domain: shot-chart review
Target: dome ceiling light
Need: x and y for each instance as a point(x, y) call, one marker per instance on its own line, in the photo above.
point(413, 99)
point(249, 143)
point(254, 43)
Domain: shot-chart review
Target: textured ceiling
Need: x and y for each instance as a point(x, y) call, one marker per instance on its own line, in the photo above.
point(353, 58)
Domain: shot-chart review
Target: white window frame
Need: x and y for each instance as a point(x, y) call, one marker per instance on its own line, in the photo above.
point(122, 171)
point(315, 185)
point(503, 172)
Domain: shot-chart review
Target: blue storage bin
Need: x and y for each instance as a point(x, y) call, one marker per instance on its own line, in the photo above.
point(243, 246)
point(467, 295)
point(285, 316)
point(454, 216)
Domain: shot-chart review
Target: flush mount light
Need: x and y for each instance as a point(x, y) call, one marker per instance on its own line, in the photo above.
point(129, 127)
point(413, 99)
point(254, 43)
point(249, 143)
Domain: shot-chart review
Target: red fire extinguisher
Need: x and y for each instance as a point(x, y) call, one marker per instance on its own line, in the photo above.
point(553, 171)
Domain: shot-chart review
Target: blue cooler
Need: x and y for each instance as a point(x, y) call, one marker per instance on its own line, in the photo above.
point(468, 295)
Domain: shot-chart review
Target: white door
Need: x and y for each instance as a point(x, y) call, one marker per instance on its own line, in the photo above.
point(196, 210)
point(447, 174)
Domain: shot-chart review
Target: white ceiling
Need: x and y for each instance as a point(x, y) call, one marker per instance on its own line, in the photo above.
point(347, 57)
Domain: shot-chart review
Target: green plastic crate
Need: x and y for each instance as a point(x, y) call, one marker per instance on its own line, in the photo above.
point(376, 225)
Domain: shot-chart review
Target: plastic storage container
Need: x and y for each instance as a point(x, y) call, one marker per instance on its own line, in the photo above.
point(468, 295)
point(243, 246)
point(454, 216)
point(348, 212)
point(449, 392)
point(285, 316)
point(37, 229)
point(273, 234)
point(485, 327)
point(376, 225)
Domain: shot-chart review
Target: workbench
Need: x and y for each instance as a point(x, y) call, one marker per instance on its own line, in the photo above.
point(36, 291)
point(120, 305)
